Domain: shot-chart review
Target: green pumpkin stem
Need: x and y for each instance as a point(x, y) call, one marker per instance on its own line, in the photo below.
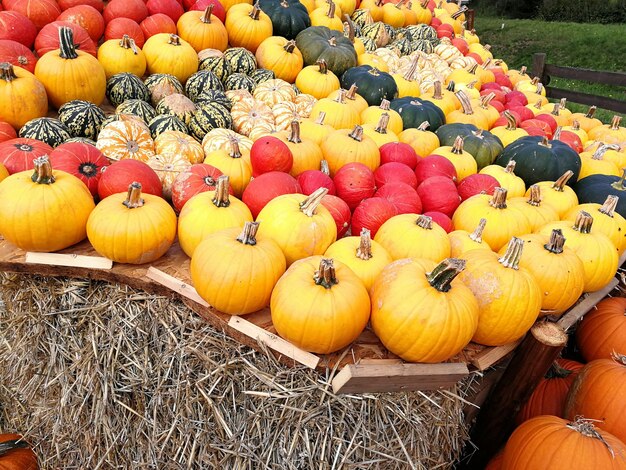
point(562, 181)
point(357, 133)
point(221, 198)
point(583, 222)
point(457, 146)
point(477, 235)
point(325, 276)
point(534, 198)
point(324, 168)
point(294, 132)
point(556, 243)
point(13, 444)
point(6, 72)
point(248, 234)
point(364, 251)
point(67, 48)
point(510, 167)
point(311, 203)
point(206, 17)
point(591, 112)
point(423, 126)
point(510, 259)
point(383, 122)
point(43, 171)
point(498, 200)
point(290, 46)
point(174, 40)
point(134, 199)
point(129, 43)
point(256, 12)
point(425, 222)
point(465, 101)
point(609, 206)
point(444, 273)
point(615, 123)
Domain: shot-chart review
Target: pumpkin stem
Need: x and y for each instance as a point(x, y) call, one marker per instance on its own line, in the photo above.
point(248, 234)
point(562, 103)
point(310, 204)
point(583, 222)
point(457, 146)
point(510, 167)
point(601, 150)
point(206, 17)
point(234, 149)
point(575, 125)
point(364, 251)
point(383, 122)
point(465, 102)
point(324, 168)
point(221, 197)
point(459, 12)
point(591, 112)
point(294, 132)
point(129, 43)
point(6, 72)
point(485, 100)
point(539, 88)
point(350, 94)
point(409, 76)
point(341, 95)
point(323, 66)
point(43, 171)
point(290, 46)
point(511, 123)
point(425, 222)
point(451, 86)
point(256, 12)
point(437, 90)
point(538, 104)
point(332, 42)
point(513, 253)
point(557, 372)
point(349, 28)
point(545, 143)
point(320, 118)
point(609, 206)
point(615, 123)
point(620, 358)
point(444, 273)
point(67, 48)
point(556, 243)
point(13, 444)
point(619, 185)
point(562, 181)
point(556, 109)
point(331, 9)
point(325, 276)
point(477, 235)
point(133, 198)
point(498, 200)
point(174, 40)
point(587, 429)
point(534, 198)
point(423, 126)
point(357, 133)
point(384, 105)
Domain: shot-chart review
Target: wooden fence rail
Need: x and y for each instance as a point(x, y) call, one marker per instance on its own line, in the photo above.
point(546, 71)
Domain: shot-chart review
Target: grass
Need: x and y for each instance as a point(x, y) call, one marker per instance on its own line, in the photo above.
point(591, 46)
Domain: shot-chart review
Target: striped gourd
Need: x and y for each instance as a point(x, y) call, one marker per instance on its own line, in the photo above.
point(162, 84)
point(240, 60)
point(82, 118)
point(165, 122)
point(207, 117)
point(126, 86)
point(200, 81)
point(216, 64)
point(240, 81)
point(177, 105)
point(136, 108)
point(49, 130)
point(262, 75)
point(214, 96)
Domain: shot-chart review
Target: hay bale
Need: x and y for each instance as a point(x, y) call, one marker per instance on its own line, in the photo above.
point(102, 376)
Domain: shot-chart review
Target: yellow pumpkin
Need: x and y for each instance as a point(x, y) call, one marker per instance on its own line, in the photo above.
point(4, 173)
point(422, 311)
point(168, 53)
point(307, 155)
point(406, 82)
point(209, 212)
point(503, 222)
point(463, 162)
point(596, 251)
point(586, 120)
point(363, 255)
point(202, 30)
point(420, 139)
point(556, 268)
point(167, 166)
point(315, 130)
point(352, 98)
point(508, 295)
point(513, 184)
point(327, 16)
point(558, 194)
point(467, 115)
point(281, 57)
point(372, 115)
point(374, 61)
point(462, 241)
point(235, 271)
point(247, 26)
point(443, 99)
point(537, 213)
point(44, 211)
point(319, 305)
point(22, 95)
point(227, 4)
point(509, 133)
point(125, 139)
point(413, 236)
point(339, 114)
point(380, 133)
point(299, 224)
point(121, 55)
point(152, 219)
point(595, 164)
point(178, 143)
point(345, 146)
point(234, 163)
point(317, 80)
point(576, 129)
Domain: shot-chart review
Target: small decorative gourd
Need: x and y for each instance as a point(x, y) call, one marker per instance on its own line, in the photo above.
point(126, 139)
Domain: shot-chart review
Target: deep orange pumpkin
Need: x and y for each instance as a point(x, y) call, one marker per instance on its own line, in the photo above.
point(15, 453)
point(603, 330)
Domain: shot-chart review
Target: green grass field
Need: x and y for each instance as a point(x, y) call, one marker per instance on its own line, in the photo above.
point(591, 46)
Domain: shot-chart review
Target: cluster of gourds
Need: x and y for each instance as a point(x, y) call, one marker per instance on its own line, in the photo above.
point(572, 390)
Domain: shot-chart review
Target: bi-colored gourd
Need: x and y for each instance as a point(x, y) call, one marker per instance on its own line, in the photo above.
point(126, 139)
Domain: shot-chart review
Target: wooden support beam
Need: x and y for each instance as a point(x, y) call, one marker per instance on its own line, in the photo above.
point(533, 358)
point(181, 287)
point(69, 260)
point(490, 356)
point(581, 308)
point(390, 377)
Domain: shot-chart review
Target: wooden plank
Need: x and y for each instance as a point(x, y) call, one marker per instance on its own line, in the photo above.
point(594, 76)
point(69, 260)
point(397, 377)
point(176, 285)
point(581, 308)
point(275, 342)
point(584, 98)
point(538, 66)
point(379, 362)
point(490, 356)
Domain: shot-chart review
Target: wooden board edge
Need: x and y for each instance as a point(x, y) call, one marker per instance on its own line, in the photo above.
point(491, 356)
point(570, 318)
point(183, 288)
point(68, 260)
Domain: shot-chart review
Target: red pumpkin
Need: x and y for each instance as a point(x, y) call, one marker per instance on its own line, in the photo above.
point(535, 131)
point(81, 160)
point(17, 27)
point(403, 197)
point(40, 12)
point(199, 178)
point(156, 24)
point(503, 80)
point(18, 154)
point(218, 9)
point(371, 214)
point(117, 177)
point(549, 396)
point(340, 212)
point(570, 139)
point(6, 132)
point(439, 193)
point(18, 456)
point(311, 180)
point(88, 18)
point(394, 172)
point(442, 220)
point(266, 187)
point(434, 165)
point(398, 152)
point(460, 43)
point(603, 330)
point(548, 119)
point(523, 112)
point(494, 88)
point(48, 38)
point(538, 123)
point(135, 10)
point(17, 54)
point(117, 28)
point(171, 8)
point(476, 184)
point(97, 4)
point(354, 182)
point(270, 154)
point(502, 120)
point(518, 96)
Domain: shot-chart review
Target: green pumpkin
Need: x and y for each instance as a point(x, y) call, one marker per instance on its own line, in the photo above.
point(214, 96)
point(200, 81)
point(82, 140)
point(539, 159)
point(82, 118)
point(423, 45)
point(240, 81)
point(415, 111)
point(262, 75)
point(373, 84)
point(177, 105)
point(596, 188)
point(157, 82)
point(208, 117)
point(126, 86)
point(218, 65)
point(49, 130)
point(137, 108)
point(321, 43)
point(166, 122)
point(289, 17)
point(240, 60)
point(482, 145)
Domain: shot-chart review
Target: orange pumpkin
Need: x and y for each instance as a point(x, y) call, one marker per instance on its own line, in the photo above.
point(603, 330)
point(15, 453)
point(202, 30)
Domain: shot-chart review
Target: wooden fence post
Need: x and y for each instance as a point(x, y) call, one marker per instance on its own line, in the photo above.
point(539, 65)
